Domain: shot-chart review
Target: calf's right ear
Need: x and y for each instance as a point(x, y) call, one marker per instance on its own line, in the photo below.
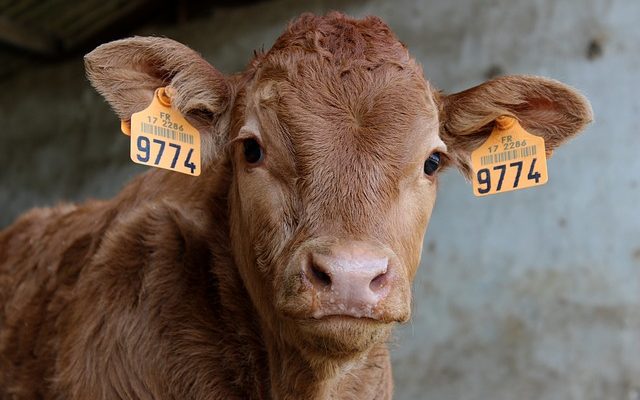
point(127, 72)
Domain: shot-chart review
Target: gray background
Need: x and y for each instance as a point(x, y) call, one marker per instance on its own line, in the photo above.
point(529, 295)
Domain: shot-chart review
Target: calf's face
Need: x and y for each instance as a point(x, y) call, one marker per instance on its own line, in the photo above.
point(334, 182)
point(335, 140)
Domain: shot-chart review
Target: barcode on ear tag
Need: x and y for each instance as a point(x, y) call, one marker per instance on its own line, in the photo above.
point(510, 159)
point(161, 137)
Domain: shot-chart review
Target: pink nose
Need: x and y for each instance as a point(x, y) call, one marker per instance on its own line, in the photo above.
point(349, 279)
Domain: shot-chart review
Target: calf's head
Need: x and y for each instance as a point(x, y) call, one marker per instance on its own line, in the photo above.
point(334, 140)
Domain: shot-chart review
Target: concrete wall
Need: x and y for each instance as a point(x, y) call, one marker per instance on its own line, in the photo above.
point(528, 295)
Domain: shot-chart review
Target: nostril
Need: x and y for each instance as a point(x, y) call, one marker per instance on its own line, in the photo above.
point(378, 282)
point(320, 276)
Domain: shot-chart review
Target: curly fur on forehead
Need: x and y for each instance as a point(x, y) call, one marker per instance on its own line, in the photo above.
point(334, 69)
point(346, 43)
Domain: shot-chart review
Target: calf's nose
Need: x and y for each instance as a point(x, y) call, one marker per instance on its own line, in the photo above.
point(350, 279)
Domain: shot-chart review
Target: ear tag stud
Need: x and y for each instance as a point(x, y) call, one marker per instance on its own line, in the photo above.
point(161, 137)
point(510, 159)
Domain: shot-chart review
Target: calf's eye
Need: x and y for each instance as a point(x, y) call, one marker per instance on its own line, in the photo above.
point(432, 163)
point(252, 151)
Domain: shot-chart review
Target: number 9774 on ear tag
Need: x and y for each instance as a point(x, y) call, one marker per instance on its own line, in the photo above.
point(510, 159)
point(161, 137)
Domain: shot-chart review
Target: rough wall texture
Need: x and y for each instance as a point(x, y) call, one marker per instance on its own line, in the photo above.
point(528, 295)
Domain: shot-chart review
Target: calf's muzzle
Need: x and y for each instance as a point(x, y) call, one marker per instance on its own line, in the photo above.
point(350, 279)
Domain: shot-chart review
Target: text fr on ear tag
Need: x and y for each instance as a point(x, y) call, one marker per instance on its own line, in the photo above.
point(510, 159)
point(161, 137)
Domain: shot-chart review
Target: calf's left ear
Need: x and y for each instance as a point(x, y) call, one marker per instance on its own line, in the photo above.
point(544, 107)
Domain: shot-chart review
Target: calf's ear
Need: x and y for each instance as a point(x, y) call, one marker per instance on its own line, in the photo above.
point(544, 107)
point(127, 72)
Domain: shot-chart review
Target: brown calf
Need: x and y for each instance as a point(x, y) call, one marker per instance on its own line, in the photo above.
point(280, 270)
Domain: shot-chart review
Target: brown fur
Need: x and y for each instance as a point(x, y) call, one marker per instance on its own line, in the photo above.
point(190, 288)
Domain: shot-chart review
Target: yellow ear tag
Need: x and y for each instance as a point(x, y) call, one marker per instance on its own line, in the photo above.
point(510, 159)
point(161, 137)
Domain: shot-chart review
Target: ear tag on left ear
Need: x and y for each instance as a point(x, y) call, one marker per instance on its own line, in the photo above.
point(510, 159)
point(161, 137)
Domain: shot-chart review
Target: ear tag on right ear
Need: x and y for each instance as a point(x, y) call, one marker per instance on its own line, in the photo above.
point(510, 159)
point(161, 137)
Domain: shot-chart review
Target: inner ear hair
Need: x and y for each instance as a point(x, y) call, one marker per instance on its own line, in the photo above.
point(544, 106)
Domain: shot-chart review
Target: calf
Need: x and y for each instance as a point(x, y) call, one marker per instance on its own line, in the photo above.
point(280, 271)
